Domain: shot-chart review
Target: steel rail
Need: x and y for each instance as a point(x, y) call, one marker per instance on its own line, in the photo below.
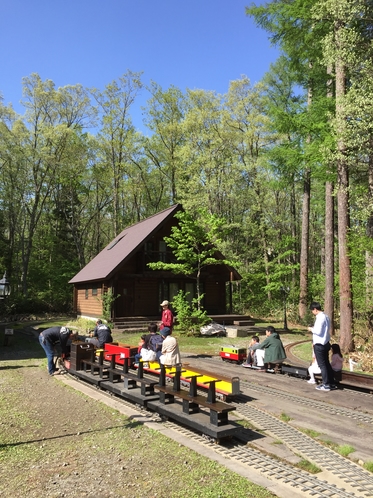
point(349, 379)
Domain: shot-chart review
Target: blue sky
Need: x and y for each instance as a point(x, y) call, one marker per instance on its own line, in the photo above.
point(189, 44)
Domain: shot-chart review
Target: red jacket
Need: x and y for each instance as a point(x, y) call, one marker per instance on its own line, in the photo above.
point(167, 319)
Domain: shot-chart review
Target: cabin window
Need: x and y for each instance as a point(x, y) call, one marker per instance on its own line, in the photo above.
point(190, 292)
point(86, 293)
point(94, 291)
point(173, 290)
point(162, 251)
point(191, 288)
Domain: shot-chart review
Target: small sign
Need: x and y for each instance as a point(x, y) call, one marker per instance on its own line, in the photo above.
point(8, 331)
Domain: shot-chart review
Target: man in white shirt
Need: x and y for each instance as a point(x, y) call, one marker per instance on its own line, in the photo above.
point(321, 346)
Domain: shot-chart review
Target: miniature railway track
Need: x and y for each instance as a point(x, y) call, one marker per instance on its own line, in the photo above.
point(351, 380)
point(293, 359)
point(297, 479)
point(353, 480)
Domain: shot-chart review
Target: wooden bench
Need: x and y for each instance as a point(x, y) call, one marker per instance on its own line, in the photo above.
point(94, 365)
point(191, 401)
point(131, 380)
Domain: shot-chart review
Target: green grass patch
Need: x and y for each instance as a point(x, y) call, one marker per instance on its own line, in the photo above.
point(308, 466)
point(191, 344)
point(284, 417)
point(345, 449)
point(247, 425)
point(368, 466)
point(311, 433)
point(303, 351)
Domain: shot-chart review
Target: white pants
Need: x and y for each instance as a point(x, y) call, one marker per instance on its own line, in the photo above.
point(313, 369)
point(260, 357)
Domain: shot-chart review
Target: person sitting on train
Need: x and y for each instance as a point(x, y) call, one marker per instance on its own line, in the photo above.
point(101, 335)
point(337, 362)
point(139, 349)
point(271, 350)
point(251, 359)
point(146, 353)
point(153, 340)
point(170, 354)
point(313, 369)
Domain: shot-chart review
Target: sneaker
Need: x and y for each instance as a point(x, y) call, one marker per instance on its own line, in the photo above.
point(323, 387)
point(56, 372)
point(333, 387)
point(311, 381)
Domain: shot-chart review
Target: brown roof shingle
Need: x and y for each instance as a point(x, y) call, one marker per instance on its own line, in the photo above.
point(118, 250)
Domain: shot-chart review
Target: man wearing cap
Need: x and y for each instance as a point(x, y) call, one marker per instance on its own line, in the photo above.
point(167, 317)
point(48, 340)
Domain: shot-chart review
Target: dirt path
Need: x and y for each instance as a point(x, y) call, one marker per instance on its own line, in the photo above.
point(56, 442)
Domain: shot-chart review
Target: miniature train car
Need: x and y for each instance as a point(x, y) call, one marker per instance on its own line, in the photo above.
point(226, 387)
point(233, 354)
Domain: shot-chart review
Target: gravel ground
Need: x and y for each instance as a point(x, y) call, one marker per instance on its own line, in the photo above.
point(56, 442)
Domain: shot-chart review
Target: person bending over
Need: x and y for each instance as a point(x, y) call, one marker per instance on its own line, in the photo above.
point(49, 339)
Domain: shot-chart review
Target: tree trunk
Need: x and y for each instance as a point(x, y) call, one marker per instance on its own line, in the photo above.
point(303, 282)
point(369, 254)
point(329, 254)
point(345, 293)
point(329, 238)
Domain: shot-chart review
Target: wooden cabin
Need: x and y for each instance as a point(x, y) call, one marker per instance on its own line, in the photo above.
point(138, 291)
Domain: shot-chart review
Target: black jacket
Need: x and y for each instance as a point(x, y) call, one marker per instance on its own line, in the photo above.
point(53, 336)
point(103, 334)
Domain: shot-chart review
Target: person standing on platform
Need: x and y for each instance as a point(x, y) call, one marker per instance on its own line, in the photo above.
point(167, 319)
point(321, 346)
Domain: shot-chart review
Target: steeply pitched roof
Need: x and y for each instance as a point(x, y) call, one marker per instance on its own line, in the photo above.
point(124, 245)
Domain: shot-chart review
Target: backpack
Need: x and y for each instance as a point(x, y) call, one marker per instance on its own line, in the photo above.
point(155, 342)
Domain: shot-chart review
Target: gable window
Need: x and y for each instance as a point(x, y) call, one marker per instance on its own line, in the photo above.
point(113, 244)
point(162, 251)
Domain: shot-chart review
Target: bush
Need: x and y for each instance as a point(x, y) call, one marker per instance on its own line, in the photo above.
point(189, 318)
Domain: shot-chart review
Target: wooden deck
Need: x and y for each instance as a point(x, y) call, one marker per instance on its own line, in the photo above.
point(141, 322)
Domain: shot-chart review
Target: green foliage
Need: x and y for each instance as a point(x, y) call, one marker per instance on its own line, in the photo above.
point(311, 433)
point(345, 449)
point(192, 243)
point(284, 417)
point(107, 299)
point(308, 466)
point(190, 317)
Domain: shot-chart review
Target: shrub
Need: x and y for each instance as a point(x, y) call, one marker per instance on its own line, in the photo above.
point(189, 318)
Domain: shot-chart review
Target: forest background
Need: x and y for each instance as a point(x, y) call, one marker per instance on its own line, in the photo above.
point(286, 163)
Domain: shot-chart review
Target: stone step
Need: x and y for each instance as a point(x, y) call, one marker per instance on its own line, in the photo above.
point(243, 323)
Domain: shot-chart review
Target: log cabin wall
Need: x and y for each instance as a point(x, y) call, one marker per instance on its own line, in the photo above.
point(215, 299)
point(88, 302)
